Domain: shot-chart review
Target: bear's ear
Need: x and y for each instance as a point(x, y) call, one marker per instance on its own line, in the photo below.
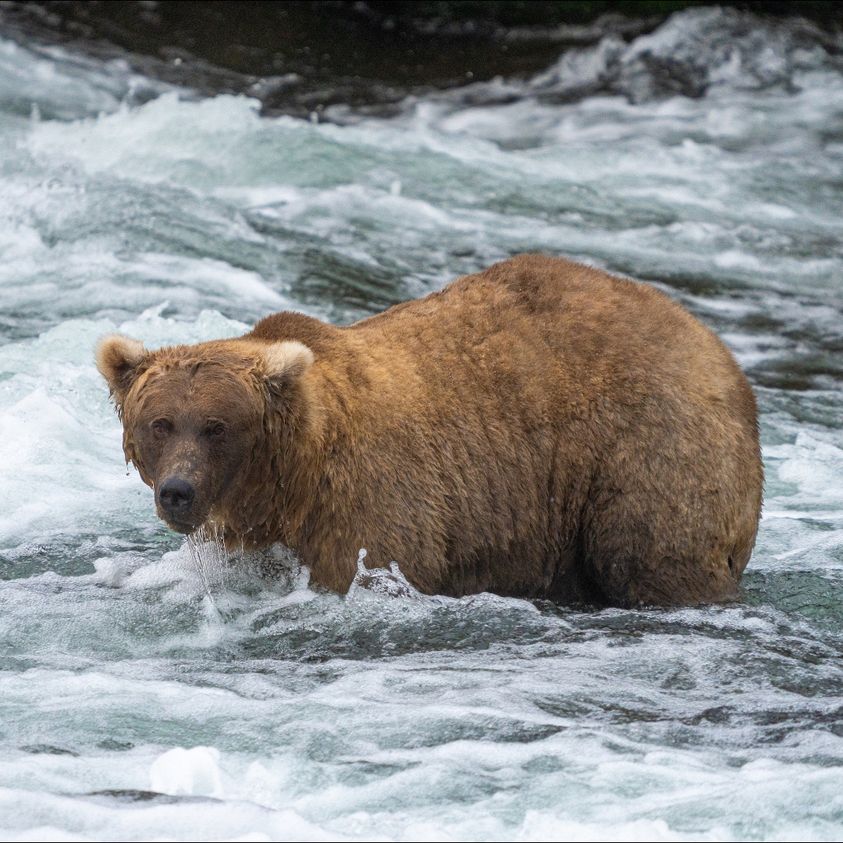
point(285, 362)
point(118, 358)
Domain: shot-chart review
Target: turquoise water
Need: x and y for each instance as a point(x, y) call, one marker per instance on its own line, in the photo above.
point(147, 689)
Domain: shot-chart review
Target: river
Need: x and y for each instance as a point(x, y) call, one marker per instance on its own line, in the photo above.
point(150, 691)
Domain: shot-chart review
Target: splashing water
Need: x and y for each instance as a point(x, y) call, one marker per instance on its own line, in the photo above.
point(210, 558)
point(389, 582)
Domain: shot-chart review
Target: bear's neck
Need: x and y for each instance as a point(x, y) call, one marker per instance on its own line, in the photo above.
point(291, 464)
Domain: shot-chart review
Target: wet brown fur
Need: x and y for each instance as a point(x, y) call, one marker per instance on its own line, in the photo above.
point(540, 429)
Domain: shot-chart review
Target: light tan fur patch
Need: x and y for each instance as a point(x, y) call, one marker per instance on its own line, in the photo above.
point(115, 355)
point(289, 359)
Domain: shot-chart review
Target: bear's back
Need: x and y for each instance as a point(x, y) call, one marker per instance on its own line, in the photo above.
point(610, 334)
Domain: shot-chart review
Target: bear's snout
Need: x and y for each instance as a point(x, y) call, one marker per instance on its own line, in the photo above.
point(176, 497)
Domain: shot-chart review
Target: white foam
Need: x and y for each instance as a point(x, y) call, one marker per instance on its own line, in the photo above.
point(187, 772)
point(54, 83)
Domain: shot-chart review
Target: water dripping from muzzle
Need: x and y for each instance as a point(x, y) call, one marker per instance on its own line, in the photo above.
point(210, 559)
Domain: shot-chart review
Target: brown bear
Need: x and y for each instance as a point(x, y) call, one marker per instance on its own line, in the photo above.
point(539, 429)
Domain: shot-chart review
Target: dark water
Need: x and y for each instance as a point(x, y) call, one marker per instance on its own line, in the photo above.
point(704, 156)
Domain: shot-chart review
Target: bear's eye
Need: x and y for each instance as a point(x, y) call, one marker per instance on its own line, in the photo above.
point(215, 430)
point(161, 427)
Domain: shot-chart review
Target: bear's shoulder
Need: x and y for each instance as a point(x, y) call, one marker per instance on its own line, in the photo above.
point(290, 325)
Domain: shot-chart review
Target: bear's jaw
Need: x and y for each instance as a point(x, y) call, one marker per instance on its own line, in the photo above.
point(185, 528)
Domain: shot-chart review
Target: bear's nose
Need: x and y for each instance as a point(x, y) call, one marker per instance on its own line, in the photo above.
point(176, 495)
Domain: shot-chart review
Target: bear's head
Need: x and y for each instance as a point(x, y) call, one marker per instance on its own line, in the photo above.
point(198, 420)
